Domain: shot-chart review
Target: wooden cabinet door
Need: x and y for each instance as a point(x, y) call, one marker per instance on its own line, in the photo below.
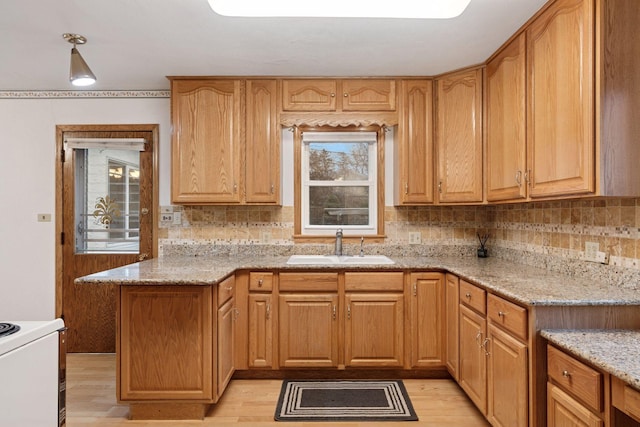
point(260, 331)
point(309, 95)
point(414, 160)
point(459, 137)
point(507, 385)
point(262, 143)
point(452, 293)
point(308, 326)
point(564, 411)
point(506, 125)
point(165, 343)
point(427, 320)
point(206, 141)
point(226, 344)
point(473, 363)
point(368, 95)
point(374, 329)
point(560, 123)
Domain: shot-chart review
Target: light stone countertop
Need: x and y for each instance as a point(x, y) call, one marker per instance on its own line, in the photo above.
point(616, 352)
point(528, 285)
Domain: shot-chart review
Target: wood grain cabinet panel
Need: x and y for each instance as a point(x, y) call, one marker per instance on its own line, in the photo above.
point(508, 380)
point(565, 411)
point(582, 381)
point(413, 150)
point(459, 137)
point(206, 144)
point(262, 143)
point(261, 313)
point(561, 139)
point(309, 95)
point(427, 319)
point(165, 343)
point(472, 374)
point(308, 330)
point(506, 169)
point(452, 321)
point(374, 329)
point(368, 95)
point(226, 345)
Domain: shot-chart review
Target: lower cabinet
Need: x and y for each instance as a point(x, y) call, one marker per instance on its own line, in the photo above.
point(308, 330)
point(427, 320)
point(452, 334)
point(472, 376)
point(260, 339)
point(508, 385)
point(565, 411)
point(374, 330)
point(226, 344)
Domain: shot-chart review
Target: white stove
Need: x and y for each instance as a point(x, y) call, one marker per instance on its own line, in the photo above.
point(32, 372)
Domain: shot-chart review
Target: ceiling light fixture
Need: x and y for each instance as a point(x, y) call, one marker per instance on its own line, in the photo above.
point(79, 74)
point(435, 9)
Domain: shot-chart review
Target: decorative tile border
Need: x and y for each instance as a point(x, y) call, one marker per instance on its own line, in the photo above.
point(65, 94)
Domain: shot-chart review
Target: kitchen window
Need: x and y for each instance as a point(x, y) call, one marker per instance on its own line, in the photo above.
point(339, 182)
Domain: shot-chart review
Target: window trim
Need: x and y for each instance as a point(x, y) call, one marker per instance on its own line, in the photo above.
point(380, 205)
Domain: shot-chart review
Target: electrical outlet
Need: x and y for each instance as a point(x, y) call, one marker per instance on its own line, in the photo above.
point(591, 251)
point(415, 238)
point(265, 237)
point(177, 218)
point(166, 217)
point(602, 257)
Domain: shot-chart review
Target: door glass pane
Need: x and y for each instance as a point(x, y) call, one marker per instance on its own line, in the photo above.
point(107, 200)
point(338, 205)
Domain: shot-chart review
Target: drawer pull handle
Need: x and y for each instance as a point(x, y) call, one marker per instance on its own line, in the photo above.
point(268, 312)
point(334, 312)
point(478, 338)
point(484, 347)
point(260, 282)
point(566, 374)
point(348, 311)
point(502, 314)
point(467, 295)
point(228, 288)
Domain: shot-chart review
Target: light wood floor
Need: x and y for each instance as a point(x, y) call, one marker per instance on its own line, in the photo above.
point(91, 401)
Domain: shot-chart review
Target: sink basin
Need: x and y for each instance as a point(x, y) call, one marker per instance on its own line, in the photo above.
point(338, 260)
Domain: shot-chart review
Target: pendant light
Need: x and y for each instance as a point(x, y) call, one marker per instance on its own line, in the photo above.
point(79, 74)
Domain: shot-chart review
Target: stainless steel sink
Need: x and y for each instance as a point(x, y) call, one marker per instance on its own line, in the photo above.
point(338, 260)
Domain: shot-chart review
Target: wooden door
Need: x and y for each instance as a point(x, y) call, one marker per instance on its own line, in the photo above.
point(560, 123)
point(226, 344)
point(309, 95)
point(414, 159)
point(564, 411)
point(262, 143)
point(427, 320)
point(206, 145)
point(506, 125)
point(459, 137)
point(452, 297)
point(473, 363)
point(374, 330)
point(260, 331)
point(308, 325)
point(106, 217)
point(368, 95)
point(508, 385)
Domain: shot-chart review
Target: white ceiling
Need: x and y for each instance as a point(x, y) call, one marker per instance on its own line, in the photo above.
point(135, 44)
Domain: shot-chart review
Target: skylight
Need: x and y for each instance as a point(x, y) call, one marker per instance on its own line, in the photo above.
point(434, 9)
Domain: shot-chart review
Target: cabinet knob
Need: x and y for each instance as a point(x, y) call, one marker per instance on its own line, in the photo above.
point(566, 374)
point(345, 94)
point(260, 282)
point(467, 295)
point(502, 314)
point(333, 95)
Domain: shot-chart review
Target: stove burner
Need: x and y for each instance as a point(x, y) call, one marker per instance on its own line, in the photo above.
point(8, 329)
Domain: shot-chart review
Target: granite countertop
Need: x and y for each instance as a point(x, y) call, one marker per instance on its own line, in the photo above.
point(525, 284)
point(613, 351)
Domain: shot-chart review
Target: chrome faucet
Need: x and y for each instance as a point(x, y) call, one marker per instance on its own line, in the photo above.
point(338, 248)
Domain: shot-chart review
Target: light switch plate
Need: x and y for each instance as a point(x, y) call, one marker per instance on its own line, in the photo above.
point(44, 217)
point(415, 238)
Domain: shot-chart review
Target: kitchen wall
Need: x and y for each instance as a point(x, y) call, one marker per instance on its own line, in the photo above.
point(27, 182)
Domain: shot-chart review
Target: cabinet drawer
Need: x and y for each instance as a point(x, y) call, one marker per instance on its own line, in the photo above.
point(226, 289)
point(625, 398)
point(510, 316)
point(582, 381)
point(261, 281)
point(473, 296)
point(392, 281)
point(308, 281)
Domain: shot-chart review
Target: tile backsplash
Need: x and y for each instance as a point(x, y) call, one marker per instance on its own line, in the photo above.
point(547, 234)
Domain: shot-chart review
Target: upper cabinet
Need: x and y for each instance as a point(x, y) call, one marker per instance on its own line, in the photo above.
point(263, 143)
point(560, 54)
point(226, 141)
point(506, 168)
point(413, 148)
point(338, 95)
point(206, 141)
point(459, 137)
